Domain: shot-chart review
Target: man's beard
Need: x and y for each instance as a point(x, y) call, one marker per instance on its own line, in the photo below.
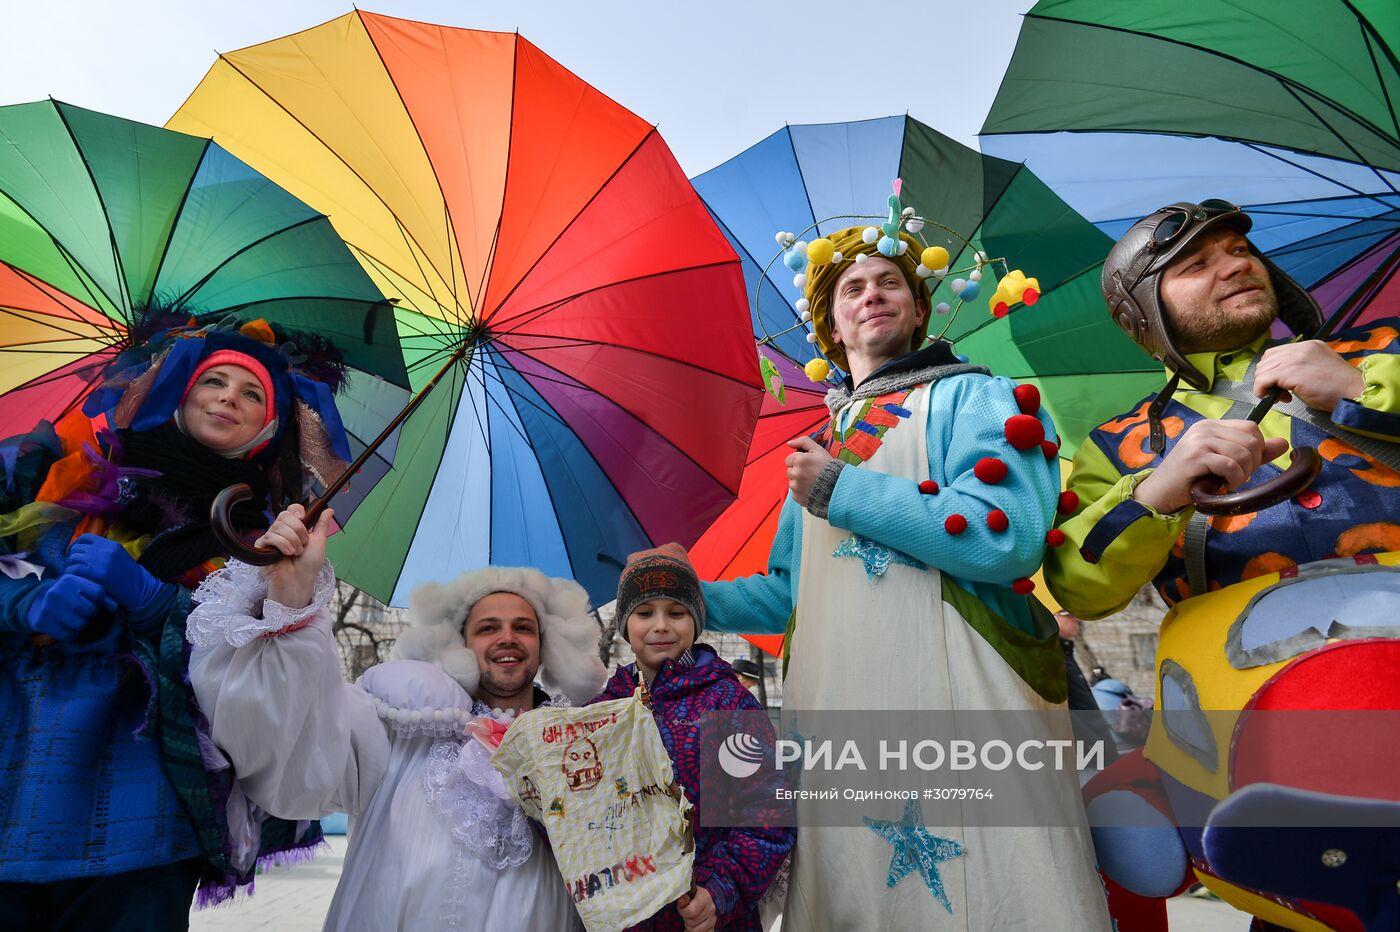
point(1212, 329)
point(497, 686)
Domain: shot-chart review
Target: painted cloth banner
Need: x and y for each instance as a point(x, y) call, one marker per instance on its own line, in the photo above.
point(601, 782)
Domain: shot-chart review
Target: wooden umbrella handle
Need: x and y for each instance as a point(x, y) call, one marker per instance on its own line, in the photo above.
point(1209, 497)
point(221, 521)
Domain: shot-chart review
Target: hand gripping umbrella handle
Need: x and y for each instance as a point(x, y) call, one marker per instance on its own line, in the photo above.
point(1209, 497)
point(220, 520)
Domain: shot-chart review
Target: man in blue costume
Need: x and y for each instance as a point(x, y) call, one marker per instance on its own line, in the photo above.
point(901, 558)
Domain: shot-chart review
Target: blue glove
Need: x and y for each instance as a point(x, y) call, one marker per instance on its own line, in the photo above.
point(107, 563)
point(66, 607)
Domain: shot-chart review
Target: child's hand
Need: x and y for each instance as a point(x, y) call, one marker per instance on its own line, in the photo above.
point(697, 911)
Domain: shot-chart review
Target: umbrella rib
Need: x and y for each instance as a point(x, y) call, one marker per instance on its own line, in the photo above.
point(83, 275)
point(559, 419)
point(438, 325)
point(567, 381)
point(336, 155)
point(1308, 244)
point(452, 237)
point(514, 396)
point(1271, 153)
point(582, 208)
point(792, 147)
point(188, 293)
point(1340, 138)
point(524, 316)
point(51, 377)
point(179, 213)
point(1368, 32)
point(482, 312)
point(386, 271)
point(1281, 79)
point(755, 312)
point(111, 234)
point(18, 312)
point(580, 341)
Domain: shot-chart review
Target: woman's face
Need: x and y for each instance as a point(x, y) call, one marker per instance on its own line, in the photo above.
point(225, 408)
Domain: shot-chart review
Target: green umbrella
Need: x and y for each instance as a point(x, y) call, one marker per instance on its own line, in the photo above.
point(103, 220)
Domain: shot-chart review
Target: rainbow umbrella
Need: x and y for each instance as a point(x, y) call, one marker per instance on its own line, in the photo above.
point(1287, 109)
point(804, 175)
point(547, 259)
point(104, 221)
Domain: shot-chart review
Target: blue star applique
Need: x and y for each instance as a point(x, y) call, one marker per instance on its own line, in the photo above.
point(916, 848)
point(876, 557)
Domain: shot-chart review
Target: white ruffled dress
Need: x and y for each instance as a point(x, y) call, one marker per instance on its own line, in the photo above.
point(433, 841)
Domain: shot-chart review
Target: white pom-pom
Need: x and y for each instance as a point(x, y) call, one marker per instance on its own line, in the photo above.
point(907, 212)
point(811, 338)
point(799, 280)
point(903, 247)
point(802, 305)
point(940, 273)
point(415, 716)
point(861, 257)
point(780, 238)
point(943, 307)
point(923, 272)
point(913, 225)
point(981, 257)
point(975, 275)
point(958, 284)
point(439, 715)
point(806, 316)
point(800, 246)
point(836, 257)
point(870, 234)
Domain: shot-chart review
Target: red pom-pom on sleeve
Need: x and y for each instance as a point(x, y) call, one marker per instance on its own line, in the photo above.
point(1054, 537)
point(1027, 398)
point(997, 520)
point(928, 487)
point(955, 524)
point(1024, 431)
point(990, 470)
point(1068, 503)
point(1023, 586)
point(1050, 448)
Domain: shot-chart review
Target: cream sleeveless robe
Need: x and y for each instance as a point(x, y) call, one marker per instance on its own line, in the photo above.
point(897, 645)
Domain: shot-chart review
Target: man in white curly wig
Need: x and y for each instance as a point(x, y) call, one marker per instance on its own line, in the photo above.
point(435, 841)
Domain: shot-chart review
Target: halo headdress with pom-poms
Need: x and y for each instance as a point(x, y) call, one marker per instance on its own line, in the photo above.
point(817, 264)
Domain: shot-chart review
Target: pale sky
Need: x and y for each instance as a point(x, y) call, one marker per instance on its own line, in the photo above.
point(715, 75)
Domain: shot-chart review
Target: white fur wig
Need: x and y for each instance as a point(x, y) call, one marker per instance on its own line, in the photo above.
point(569, 662)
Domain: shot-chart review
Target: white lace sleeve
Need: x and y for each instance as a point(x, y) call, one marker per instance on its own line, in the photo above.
point(232, 606)
point(302, 741)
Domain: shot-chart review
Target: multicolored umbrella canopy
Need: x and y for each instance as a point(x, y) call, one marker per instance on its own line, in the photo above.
point(520, 218)
point(803, 175)
point(103, 219)
point(1288, 109)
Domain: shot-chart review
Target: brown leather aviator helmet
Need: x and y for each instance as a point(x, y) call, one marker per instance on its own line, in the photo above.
point(1132, 279)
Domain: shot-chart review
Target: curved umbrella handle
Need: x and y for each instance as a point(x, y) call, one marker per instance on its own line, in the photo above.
point(221, 522)
point(1209, 498)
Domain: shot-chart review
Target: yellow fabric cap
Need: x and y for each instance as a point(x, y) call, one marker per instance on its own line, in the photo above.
point(821, 279)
